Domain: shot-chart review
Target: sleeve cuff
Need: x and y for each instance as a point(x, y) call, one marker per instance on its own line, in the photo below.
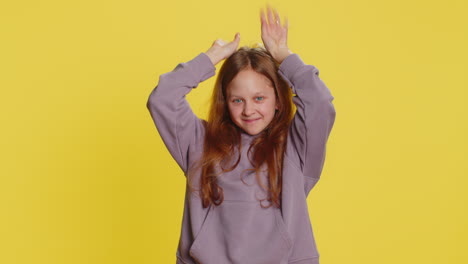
point(201, 67)
point(290, 65)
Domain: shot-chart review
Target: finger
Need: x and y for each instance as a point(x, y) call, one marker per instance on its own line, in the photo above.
point(286, 24)
point(278, 20)
point(233, 44)
point(262, 17)
point(237, 37)
point(264, 24)
point(270, 16)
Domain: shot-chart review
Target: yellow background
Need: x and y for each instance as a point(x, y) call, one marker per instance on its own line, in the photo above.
point(85, 177)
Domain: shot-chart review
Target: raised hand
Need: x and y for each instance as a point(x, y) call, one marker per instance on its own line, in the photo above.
point(274, 35)
point(220, 50)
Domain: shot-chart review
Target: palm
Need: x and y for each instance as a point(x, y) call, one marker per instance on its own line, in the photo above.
point(274, 35)
point(225, 49)
point(220, 50)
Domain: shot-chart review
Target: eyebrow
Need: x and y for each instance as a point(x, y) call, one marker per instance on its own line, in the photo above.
point(255, 94)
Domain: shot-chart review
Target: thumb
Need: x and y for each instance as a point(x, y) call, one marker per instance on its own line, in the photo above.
point(236, 37)
point(235, 42)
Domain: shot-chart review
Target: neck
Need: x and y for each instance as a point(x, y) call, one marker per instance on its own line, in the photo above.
point(247, 138)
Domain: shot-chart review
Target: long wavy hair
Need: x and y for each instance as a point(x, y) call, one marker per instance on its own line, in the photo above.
point(222, 136)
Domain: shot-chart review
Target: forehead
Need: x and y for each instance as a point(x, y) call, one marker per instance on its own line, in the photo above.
point(249, 82)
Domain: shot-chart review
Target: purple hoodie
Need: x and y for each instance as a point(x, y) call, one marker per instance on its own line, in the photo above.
point(239, 230)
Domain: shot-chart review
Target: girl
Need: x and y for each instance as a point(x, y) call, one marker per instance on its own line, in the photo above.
point(251, 166)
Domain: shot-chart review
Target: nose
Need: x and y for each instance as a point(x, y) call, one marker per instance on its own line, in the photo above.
point(248, 109)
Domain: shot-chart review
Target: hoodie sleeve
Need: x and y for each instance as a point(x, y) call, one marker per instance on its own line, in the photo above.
point(177, 125)
point(314, 117)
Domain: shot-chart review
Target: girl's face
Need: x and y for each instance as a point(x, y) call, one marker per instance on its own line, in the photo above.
point(251, 101)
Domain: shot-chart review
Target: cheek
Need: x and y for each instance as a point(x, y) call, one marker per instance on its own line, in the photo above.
point(269, 109)
point(232, 110)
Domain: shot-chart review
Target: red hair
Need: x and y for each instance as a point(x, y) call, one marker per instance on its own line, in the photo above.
point(223, 136)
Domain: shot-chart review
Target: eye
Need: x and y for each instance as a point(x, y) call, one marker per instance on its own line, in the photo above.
point(237, 100)
point(259, 98)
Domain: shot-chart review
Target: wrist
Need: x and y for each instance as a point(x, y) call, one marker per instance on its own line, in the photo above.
point(282, 54)
point(214, 59)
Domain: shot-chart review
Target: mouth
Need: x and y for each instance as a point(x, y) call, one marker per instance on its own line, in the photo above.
point(250, 120)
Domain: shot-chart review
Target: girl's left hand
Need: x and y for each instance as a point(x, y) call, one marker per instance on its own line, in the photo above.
point(275, 36)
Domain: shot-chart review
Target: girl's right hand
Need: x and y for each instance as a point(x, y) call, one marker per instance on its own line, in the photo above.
point(220, 50)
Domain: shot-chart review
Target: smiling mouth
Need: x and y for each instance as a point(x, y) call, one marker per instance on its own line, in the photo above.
point(250, 120)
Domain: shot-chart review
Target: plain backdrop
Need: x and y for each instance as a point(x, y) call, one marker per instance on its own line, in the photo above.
point(85, 177)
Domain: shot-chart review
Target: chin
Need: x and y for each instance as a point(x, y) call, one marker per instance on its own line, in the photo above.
point(251, 129)
point(252, 132)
